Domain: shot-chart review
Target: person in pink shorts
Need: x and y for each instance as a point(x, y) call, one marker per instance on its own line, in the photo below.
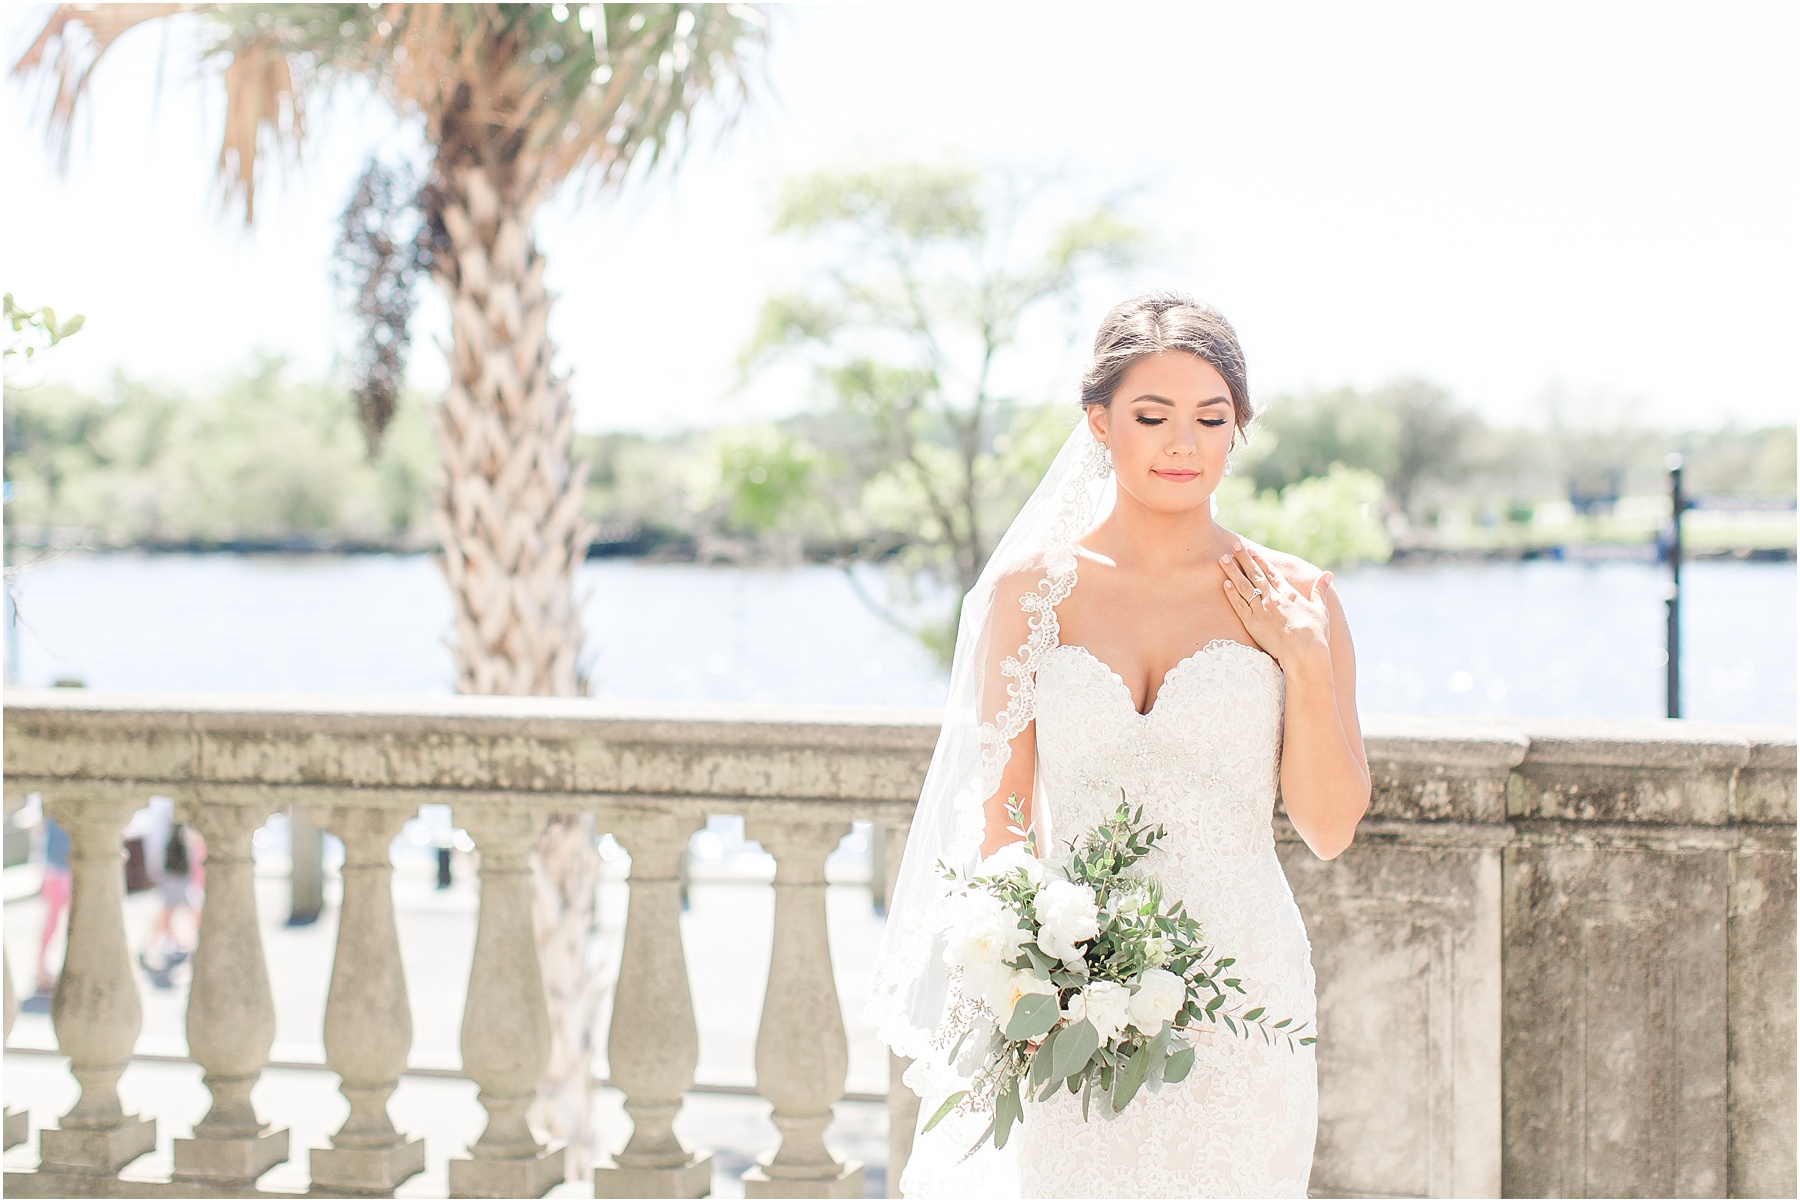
point(55, 893)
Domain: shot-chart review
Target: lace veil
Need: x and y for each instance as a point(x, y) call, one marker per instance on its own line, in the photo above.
point(1008, 622)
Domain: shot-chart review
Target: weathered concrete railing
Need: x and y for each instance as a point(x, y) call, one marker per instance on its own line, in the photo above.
point(1558, 960)
point(362, 769)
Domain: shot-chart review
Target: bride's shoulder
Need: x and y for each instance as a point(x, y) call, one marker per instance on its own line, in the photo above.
point(1299, 572)
point(1019, 577)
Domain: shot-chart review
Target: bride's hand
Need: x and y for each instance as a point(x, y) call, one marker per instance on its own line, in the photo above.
point(1287, 623)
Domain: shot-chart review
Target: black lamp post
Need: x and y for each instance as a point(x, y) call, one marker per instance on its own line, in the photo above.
point(1677, 504)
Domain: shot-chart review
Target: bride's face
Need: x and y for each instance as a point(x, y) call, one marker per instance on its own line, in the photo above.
point(1169, 428)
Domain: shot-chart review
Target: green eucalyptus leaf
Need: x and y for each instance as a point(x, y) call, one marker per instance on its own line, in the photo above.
point(1075, 1046)
point(1007, 1111)
point(1035, 1014)
point(1044, 1057)
point(1131, 1078)
point(949, 1105)
point(1179, 1064)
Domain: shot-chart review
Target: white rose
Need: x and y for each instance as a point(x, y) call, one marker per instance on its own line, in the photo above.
point(979, 981)
point(1010, 858)
point(1067, 914)
point(1002, 997)
point(1159, 998)
point(986, 935)
point(1103, 1003)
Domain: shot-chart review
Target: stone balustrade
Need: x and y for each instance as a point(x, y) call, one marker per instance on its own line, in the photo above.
point(1558, 960)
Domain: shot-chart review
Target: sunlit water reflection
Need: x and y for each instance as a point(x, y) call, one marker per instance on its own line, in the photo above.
point(1540, 639)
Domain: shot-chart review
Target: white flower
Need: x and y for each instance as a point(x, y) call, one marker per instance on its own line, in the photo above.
point(1130, 901)
point(1103, 1003)
point(1006, 994)
point(981, 980)
point(1159, 950)
point(986, 934)
point(1010, 858)
point(1159, 998)
point(1067, 915)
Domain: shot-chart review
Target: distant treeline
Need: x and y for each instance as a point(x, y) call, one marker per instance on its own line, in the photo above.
point(269, 461)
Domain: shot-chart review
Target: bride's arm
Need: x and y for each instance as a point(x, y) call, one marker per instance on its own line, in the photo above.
point(1015, 780)
point(1291, 610)
point(1008, 630)
point(1324, 770)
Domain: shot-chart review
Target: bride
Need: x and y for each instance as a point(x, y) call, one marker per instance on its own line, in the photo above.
point(1122, 641)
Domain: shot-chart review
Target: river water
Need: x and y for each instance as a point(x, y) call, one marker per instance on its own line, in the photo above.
point(1541, 639)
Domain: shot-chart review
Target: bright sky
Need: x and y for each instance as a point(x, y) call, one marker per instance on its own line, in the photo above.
point(1497, 196)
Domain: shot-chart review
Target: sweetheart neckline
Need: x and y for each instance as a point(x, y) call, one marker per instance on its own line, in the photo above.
point(1184, 661)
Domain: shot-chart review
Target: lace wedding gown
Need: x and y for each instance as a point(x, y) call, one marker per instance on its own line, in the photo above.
point(1203, 762)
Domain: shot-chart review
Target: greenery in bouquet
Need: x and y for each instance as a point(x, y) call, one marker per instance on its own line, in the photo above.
point(1070, 973)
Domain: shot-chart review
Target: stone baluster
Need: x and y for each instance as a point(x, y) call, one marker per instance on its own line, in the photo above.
point(231, 1009)
point(368, 1021)
point(802, 1056)
point(18, 1122)
point(902, 1102)
point(506, 1020)
point(653, 1044)
point(96, 1012)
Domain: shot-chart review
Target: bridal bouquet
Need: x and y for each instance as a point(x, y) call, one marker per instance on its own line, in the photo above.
point(1070, 974)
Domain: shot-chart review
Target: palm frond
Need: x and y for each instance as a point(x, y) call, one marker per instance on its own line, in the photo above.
point(259, 95)
point(589, 94)
point(69, 47)
point(540, 91)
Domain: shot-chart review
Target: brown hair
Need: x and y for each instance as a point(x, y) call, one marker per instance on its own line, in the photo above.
point(1165, 321)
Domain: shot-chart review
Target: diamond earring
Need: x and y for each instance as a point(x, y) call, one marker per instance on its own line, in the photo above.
point(1228, 465)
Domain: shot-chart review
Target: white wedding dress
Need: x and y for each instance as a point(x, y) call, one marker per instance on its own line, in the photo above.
point(1204, 762)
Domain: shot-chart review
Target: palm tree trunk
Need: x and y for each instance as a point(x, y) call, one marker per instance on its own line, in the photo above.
point(508, 508)
point(508, 511)
point(566, 877)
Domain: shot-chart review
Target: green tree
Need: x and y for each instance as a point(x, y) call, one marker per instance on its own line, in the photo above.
point(927, 275)
point(1330, 520)
point(261, 458)
point(1301, 435)
point(1408, 431)
point(513, 100)
point(1431, 434)
point(1757, 462)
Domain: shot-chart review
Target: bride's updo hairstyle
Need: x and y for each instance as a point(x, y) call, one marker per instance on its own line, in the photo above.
point(1165, 321)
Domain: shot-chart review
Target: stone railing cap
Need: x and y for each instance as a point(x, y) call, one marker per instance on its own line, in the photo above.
point(1495, 744)
point(614, 721)
point(1648, 742)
